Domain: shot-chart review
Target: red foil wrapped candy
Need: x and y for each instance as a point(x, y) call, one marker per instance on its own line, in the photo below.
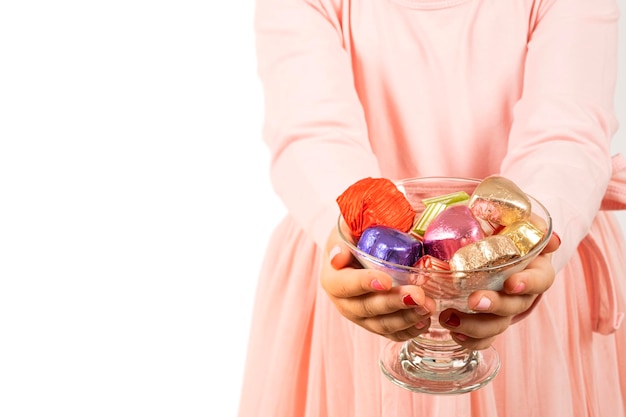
point(375, 202)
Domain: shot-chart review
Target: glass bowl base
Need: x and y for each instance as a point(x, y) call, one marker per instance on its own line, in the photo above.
point(438, 375)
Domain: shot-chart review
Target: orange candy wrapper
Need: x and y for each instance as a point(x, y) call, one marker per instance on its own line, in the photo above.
point(375, 202)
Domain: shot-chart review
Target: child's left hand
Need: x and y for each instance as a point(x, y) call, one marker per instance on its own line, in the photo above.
point(497, 310)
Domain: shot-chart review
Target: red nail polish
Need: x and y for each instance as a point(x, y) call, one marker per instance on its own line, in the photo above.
point(557, 237)
point(408, 300)
point(453, 320)
point(461, 337)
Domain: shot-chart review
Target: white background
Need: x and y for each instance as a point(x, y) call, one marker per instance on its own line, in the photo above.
point(134, 205)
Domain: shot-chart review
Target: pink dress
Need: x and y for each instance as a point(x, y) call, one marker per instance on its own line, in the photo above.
point(410, 88)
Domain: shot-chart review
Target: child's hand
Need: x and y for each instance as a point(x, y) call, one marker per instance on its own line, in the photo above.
point(366, 296)
point(500, 309)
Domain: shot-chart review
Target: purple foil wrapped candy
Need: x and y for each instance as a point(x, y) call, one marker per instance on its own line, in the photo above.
point(391, 245)
point(452, 229)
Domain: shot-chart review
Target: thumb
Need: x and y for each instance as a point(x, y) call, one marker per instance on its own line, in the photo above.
point(338, 252)
point(553, 243)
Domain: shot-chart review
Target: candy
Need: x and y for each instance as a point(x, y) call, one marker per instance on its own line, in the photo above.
point(488, 227)
point(454, 228)
point(430, 212)
point(390, 245)
point(447, 199)
point(524, 234)
point(375, 201)
point(433, 207)
point(437, 288)
point(498, 200)
point(454, 232)
point(430, 262)
point(488, 252)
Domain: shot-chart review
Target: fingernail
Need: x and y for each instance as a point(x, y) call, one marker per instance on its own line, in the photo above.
point(421, 324)
point(408, 300)
point(461, 337)
point(422, 310)
point(377, 285)
point(519, 288)
point(334, 252)
point(557, 237)
point(483, 304)
point(453, 320)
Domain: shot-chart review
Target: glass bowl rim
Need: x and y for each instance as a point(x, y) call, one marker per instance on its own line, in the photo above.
point(536, 250)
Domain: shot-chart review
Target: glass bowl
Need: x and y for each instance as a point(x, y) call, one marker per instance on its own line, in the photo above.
point(433, 362)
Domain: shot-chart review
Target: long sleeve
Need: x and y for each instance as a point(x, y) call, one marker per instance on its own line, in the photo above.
point(559, 149)
point(314, 123)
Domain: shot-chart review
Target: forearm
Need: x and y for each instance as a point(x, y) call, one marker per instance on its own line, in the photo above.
point(559, 146)
point(314, 124)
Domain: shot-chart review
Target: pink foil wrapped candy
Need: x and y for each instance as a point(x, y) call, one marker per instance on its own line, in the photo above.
point(452, 229)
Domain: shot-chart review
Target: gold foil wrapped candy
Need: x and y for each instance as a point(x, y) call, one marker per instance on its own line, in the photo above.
point(498, 200)
point(524, 234)
point(488, 252)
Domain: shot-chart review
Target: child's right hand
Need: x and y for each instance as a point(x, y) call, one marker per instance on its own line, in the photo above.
point(367, 298)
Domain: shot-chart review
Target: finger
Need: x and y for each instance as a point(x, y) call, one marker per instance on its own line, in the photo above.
point(553, 244)
point(401, 324)
point(351, 282)
point(411, 332)
point(340, 257)
point(337, 242)
point(375, 305)
point(538, 221)
point(340, 276)
point(353, 279)
point(472, 343)
point(407, 297)
point(499, 303)
point(476, 326)
point(519, 291)
point(535, 279)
